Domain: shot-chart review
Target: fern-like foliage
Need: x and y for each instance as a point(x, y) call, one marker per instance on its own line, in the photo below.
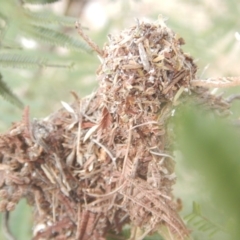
point(202, 223)
point(47, 18)
point(40, 1)
point(210, 145)
point(37, 25)
point(6, 93)
point(12, 60)
point(18, 21)
point(57, 38)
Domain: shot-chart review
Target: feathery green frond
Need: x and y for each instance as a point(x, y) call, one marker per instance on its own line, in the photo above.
point(40, 1)
point(47, 17)
point(210, 145)
point(57, 38)
point(197, 219)
point(7, 94)
point(17, 21)
point(24, 61)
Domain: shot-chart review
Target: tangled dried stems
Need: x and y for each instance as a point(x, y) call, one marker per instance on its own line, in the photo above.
point(104, 161)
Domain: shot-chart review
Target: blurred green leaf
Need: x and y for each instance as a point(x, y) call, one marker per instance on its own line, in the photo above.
point(40, 1)
point(20, 222)
point(211, 146)
point(47, 17)
point(197, 219)
point(7, 93)
point(56, 38)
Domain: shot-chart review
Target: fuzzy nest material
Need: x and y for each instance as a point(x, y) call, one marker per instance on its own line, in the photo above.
point(104, 161)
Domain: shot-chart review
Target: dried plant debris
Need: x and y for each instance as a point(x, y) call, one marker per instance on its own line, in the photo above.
point(105, 161)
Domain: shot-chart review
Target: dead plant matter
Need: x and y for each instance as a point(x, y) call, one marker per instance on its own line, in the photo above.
point(103, 161)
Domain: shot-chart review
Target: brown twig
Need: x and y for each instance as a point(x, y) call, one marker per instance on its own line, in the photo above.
point(220, 82)
point(89, 41)
point(5, 226)
point(233, 97)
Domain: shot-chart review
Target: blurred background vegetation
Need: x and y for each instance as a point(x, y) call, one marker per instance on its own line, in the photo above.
point(48, 60)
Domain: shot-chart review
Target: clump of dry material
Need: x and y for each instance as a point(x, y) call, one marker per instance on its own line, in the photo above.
point(104, 161)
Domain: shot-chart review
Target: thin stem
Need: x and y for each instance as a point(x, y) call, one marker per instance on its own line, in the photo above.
point(107, 151)
point(87, 39)
point(5, 226)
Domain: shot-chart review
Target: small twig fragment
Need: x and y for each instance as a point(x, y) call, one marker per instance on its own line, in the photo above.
point(6, 228)
point(93, 45)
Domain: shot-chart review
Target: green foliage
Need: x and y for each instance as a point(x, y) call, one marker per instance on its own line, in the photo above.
point(17, 21)
point(6, 92)
point(47, 17)
point(14, 60)
point(56, 38)
point(199, 221)
point(211, 146)
point(40, 1)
